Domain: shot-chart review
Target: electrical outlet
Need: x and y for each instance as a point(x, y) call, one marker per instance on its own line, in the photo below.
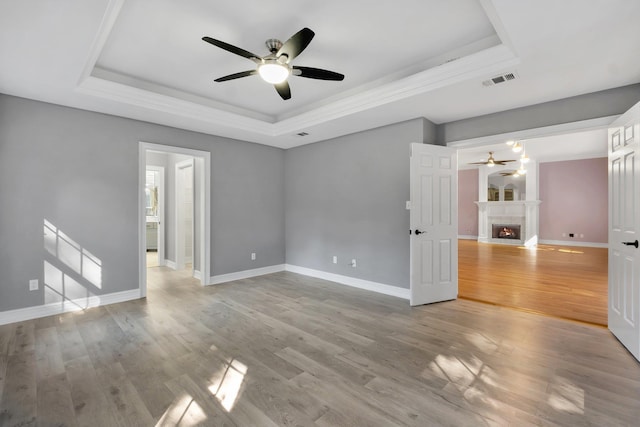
point(353, 263)
point(253, 256)
point(33, 285)
point(335, 259)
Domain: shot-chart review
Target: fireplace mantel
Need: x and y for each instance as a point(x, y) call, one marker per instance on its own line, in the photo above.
point(522, 212)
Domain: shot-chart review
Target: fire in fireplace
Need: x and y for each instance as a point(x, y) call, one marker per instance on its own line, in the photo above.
point(505, 231)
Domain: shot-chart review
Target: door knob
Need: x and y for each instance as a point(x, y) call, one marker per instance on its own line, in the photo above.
point(419, 232)
point(625, 243)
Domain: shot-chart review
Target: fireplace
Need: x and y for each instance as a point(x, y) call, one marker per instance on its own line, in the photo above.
point(505, 231)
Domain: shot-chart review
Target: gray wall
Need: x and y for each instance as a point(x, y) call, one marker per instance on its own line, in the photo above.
point(346, 197)
point(79, 171)
point(590, 106)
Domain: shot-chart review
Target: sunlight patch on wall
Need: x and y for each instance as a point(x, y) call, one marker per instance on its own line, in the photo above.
point(72, 255)
point(62, 288)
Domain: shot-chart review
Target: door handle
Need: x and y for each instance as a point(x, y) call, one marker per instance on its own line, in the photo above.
point(625, 243)
point(417, 232)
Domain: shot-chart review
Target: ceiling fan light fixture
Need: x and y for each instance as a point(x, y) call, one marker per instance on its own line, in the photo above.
point(274, 72)
point(517, 147)
point(510, 142)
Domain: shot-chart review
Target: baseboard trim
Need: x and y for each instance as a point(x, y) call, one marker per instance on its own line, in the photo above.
point(197, 274)
point(467, 237)
point(573, 243)
point(380, 288)
point(245, 274)
point(170, 264)
point(29, 313)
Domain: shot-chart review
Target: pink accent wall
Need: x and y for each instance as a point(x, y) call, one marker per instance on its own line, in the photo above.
point(574, 197)
point(467, 209)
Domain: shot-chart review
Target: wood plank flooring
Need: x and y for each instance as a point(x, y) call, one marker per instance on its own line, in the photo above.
point(562, 281)
point(288, 350)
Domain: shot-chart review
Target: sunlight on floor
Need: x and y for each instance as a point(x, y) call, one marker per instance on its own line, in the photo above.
point(550, 249)
point(184, 411)
point(227, 383)
point(566, 396)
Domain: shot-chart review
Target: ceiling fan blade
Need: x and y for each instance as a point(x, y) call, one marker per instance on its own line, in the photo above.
point(283, 90)
point(317, 73)
point(233, 49)
point(236, 75)
point(296, 44)
point(478, 163)
point(502, 162)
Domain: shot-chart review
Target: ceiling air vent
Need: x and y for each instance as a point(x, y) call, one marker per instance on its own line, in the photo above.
point(499, 79)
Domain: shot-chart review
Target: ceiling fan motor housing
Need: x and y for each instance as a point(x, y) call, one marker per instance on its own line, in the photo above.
point(273, 45)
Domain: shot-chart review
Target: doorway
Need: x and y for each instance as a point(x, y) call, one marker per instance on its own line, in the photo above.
point(191, 245)
point(541, 278)
point(154, 214)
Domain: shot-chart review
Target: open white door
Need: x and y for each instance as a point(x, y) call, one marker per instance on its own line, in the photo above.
point(184, 213)
point(624, 228)
point(434, 224)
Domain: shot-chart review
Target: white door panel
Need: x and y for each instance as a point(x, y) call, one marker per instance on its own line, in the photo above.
point(624, 229)
point(434, 224)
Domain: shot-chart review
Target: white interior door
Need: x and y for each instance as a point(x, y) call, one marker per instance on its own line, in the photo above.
point(624, 223)
point(184, 213)
point(434, 224)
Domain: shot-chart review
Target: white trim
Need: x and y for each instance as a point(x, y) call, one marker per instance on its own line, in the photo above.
point(573, 243)
point(53, 309)
point(351, 281)
point(553, 130)
point(245, 274)
point(467, 237)
point(197, 274)
point(170, 264)
point(109, 18)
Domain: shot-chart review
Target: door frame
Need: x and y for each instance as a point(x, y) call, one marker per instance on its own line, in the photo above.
point(179, 219)
point(161, 198)
point(203, 192)
point(560, 129)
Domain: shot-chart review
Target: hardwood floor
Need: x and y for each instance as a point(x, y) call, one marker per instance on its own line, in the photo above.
point(562, 281)
point(286, 349)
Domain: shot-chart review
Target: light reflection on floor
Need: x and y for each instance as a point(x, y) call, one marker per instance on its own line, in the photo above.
point(469, 375)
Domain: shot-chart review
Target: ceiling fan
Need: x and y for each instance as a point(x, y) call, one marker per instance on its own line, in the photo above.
point(275, 68)
point(491, 162)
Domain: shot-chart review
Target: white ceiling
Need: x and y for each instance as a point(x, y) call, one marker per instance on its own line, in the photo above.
point(145, 59)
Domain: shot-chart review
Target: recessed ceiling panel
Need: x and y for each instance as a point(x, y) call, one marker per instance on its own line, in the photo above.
point(158, 44)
